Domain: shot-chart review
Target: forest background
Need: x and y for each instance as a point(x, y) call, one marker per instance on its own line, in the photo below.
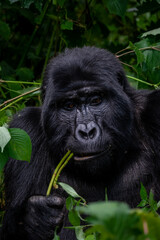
point(31, 32)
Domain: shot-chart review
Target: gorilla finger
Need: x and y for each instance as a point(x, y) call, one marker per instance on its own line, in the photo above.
point(37, 200)
point(55, 201)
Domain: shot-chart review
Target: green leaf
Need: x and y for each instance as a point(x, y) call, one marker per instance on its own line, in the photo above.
point(143, 193)
point(56, 237)
point(152, 202)
point(152, 32)
point(61, 3)
point(139, 54)
point(70, 203)
point(143, 203)
point(70, 190)
point(67, 25)
point(103, 210)
point(74, 218)
point(20, 146)
point(5, 32)
point(25, 74)
point(153, 223)
point(79, 233)
point(3, 159)
point(4, 137)
point(158, 204)
point(90, 237)
point(117, 7)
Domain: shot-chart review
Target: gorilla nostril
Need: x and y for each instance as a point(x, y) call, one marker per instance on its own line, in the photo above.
point(92, 133)
point(83, 134)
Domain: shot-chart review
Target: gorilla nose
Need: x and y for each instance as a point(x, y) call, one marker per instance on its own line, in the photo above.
point(87, 132)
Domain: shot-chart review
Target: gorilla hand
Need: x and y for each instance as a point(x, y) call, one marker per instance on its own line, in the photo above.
point(44, 213)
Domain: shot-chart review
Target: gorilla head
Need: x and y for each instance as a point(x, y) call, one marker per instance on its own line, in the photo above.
point(86, 107)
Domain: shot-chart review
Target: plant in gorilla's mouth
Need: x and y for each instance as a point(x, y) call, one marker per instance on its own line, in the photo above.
point(58, 170)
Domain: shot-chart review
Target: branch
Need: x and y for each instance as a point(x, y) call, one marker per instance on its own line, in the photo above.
point(20, 96)
point(19, 82)
point(157, 48)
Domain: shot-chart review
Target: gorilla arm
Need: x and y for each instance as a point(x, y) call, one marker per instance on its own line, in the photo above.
point(26, 183)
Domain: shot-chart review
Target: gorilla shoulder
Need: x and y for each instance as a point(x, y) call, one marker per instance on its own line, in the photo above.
point(27, 118)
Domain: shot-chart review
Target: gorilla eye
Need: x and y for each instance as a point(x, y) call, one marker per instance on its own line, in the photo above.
point(96, 100)
point(69, 105)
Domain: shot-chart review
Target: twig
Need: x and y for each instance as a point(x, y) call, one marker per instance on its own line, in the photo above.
point(122, 50)
point(15, 98)
point(128, 65)
point(9, 105)
point(141, 49)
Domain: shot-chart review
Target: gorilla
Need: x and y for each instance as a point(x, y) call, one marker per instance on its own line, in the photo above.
point(112, 129)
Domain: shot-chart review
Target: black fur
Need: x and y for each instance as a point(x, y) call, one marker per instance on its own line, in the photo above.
point(126, 126)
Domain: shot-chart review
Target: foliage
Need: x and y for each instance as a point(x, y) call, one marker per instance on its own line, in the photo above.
point(31, 32)
point(14, 143)
point(113, 220)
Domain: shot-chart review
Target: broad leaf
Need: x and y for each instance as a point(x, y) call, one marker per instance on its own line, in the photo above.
point(20, 146)
point(79, 233)
point(4, 137)
point(117, 7)
point(152, 32)
point(74, 218)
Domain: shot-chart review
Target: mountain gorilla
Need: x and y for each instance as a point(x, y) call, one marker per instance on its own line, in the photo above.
point(112, 129)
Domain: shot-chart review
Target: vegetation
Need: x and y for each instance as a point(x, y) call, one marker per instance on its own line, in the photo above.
point(31, 32)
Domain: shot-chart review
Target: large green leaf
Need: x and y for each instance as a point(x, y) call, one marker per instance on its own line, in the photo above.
point(74, 217)
point(20, 146)
point(117, 7)
point(4, 137)
point(152, 32)
point(25, 74)
point(4, 30)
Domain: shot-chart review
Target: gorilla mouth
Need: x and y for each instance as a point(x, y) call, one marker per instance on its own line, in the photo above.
point(87, 156)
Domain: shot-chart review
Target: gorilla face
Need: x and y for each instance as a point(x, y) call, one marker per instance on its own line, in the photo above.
point(85, 106)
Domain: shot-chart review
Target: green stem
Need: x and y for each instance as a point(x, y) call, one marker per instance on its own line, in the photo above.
point(20, 82)
point(55, 172)
point(48, 54)
point(34, 32)
point(139, 80)
point(61, 168)
point(11, 104)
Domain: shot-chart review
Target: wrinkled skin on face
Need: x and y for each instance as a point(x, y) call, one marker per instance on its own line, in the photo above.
point(90, 115)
